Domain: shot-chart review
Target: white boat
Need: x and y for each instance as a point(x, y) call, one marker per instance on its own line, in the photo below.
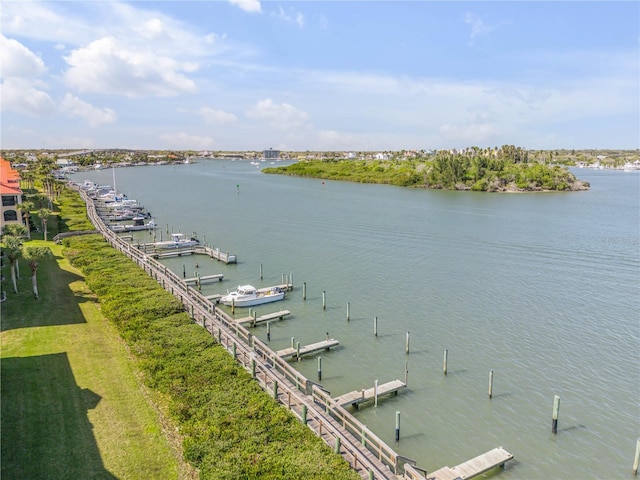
point(138, 224)
point(178, 240)
point(248, 296)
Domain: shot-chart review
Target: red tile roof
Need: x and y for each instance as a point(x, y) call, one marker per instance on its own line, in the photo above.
point(9, 179)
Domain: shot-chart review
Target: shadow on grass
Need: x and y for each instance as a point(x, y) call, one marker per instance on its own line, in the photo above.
point(46, 432)
point(58, 303)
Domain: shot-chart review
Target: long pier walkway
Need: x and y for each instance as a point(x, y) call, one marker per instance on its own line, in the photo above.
point(366, 453)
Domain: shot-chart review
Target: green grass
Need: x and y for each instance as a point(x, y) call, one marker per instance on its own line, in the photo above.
point(72, 405)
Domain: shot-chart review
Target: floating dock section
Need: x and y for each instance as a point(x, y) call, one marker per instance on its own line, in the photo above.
point(253, 321)
point(204, 279)
point(307, 349)
point(474, 467)
point(357, 397)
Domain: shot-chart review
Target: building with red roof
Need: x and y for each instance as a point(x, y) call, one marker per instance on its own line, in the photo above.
point(11, 194)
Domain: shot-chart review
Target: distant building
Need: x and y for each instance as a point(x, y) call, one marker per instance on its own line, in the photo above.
point(11, 194)
point(271, 154)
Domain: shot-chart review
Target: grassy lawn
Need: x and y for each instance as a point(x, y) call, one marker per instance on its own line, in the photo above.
point(72, 405)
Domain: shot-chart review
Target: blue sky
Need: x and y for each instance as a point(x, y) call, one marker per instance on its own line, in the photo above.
point(319, 75)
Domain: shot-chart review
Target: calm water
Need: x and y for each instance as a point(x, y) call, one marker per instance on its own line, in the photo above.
point(541, 288)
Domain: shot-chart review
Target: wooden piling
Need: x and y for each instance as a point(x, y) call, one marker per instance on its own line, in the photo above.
point(298, 351)
point(444, 363)
point(406, 345)
point(490, 384)
point(304, 414)
point(260, 271)
point(375, 327)
point(324, 300)
point(233, 306)
point(375, 393)
point(319, 369)
point(275, 389)
point(348, 310)
point(636, 459)
point(397, 426)
point(304, 290)
point(556, 409)
point(337, 445)
point(268, 331)
point(184, 271)
point(406, 372)
point(253, 368)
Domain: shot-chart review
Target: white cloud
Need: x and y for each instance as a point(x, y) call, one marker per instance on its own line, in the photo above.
point(184, 141)
point(251, 6)
point(16, 60)
point(25, 96)
point(333, 140)
point(471, 134)
point(478, 27)
point(21, 90)
point(107, 66)
point(94, 116)
point(292, 17)
point(216, 117)
point(282, 116)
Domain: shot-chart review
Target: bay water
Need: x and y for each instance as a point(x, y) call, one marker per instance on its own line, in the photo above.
point(541, 288)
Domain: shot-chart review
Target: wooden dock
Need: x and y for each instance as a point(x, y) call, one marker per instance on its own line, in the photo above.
point(151, 250)
point(474, 467)
point(204, 279)
point(216, 253)
point(250, 321)
point(215, 298)
point(307, 349)
point(176, 252)
point(357, 397)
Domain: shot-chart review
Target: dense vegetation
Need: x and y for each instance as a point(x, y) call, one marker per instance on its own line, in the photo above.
point(231, 428)
point(506, 169)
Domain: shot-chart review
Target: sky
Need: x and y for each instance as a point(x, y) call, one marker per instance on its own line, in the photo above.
point(319, 75)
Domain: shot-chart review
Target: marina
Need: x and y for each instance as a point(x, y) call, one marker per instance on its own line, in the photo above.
point(459, 280)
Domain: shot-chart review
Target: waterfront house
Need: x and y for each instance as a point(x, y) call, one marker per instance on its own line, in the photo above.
point(11, 194)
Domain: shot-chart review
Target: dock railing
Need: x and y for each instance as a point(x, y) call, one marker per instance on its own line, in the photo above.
point(367, 453)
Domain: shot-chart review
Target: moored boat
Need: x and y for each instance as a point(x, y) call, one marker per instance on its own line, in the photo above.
point(248, 296)
point(178, 240)
point(138, 224)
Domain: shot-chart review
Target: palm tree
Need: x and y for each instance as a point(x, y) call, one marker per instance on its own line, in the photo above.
point(33, 254)
point(12, 244)
point(25, 207)
point(44, 216)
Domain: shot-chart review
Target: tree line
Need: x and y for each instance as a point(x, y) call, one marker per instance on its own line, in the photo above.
point(491, 170)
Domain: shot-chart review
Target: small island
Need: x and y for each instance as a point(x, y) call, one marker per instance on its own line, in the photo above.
point(505, 169)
